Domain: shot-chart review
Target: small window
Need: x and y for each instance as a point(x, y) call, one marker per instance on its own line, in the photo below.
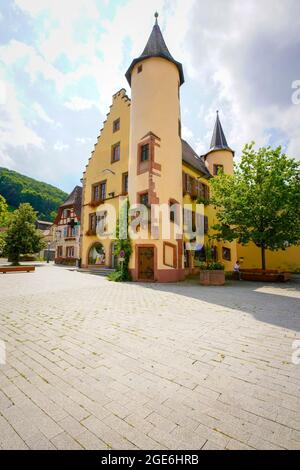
point(116, 125)
point(125, 183)
point(59, 251)
point(96, 192)
point(70, 252)
point(103, 190)
point(179, 127)
point(92, 222)
point(140, 68)
point(101, 221)
point(144, 199)
point(173, 208)
point(226, 253)
point(205, 219)
point(218, 169)
point(115, 153)
point(145, 153)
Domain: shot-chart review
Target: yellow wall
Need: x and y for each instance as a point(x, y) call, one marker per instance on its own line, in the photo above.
point(220, 157)
point(101, 160)
point(210, 212)
point(287, 260)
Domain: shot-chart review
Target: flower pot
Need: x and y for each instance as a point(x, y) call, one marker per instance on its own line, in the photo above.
point(212, 278)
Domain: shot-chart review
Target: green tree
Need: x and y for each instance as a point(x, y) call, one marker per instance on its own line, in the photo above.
point(22, 236)
point(260, 202)
point(3, 219)
point(3, 210)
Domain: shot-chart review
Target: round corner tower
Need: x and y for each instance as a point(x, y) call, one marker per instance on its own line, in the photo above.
point(155, 153)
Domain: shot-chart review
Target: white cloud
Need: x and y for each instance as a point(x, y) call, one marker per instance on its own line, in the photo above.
point(186, 133)
point(13, 130)
point(2, 92)
point(246, 60)
point(41, 113)
point(60, 146)
point(78, 104)
point(81, 140)
point(235, 59)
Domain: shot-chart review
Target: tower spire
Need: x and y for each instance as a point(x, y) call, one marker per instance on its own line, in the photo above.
point(218, 141)
point(155, 47)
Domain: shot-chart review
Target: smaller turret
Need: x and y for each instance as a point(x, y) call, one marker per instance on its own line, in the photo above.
point(220, 155)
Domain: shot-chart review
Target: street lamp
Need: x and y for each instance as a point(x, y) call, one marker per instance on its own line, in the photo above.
point(48, 252)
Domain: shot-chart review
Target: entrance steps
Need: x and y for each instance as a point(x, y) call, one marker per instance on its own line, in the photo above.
point(96, 271)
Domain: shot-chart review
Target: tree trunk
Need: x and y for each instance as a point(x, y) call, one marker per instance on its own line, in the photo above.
point(263, 258)
point(15, 260)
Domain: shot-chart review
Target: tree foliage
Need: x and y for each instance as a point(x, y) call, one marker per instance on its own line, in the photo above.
point(3, 219)
point(3, 209)
point(22, 236)
point(261, 201)
point(44, 198)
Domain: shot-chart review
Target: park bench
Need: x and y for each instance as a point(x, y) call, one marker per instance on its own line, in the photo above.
point(269, 275)
point(13, 269)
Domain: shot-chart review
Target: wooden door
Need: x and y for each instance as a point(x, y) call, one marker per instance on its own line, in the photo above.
point(146, 263)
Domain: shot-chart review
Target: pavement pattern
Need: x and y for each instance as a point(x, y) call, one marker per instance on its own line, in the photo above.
point(92, 364)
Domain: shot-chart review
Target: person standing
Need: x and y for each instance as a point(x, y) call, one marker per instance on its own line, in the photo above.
point(236, 269)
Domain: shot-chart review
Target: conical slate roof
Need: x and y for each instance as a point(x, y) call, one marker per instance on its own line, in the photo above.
point(218, 141)
point(155, 47)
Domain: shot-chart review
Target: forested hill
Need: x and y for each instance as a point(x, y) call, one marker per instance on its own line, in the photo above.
point(43, 197)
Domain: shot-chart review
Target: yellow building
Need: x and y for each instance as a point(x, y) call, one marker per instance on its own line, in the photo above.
point(140, 154)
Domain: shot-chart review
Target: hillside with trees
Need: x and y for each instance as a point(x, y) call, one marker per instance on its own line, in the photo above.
point(43, 197)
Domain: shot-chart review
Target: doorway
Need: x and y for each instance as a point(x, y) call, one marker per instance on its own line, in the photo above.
point(146, 263)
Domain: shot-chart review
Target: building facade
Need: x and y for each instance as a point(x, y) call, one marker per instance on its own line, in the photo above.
point(67, 229)
point(140, 154)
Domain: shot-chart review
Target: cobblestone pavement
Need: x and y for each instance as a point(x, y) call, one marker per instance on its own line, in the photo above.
point(94, 364)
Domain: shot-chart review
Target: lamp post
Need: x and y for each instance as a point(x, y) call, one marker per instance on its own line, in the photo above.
point(48, 252)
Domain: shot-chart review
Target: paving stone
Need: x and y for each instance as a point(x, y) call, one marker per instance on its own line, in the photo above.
point(152, 366)
point(64, 441)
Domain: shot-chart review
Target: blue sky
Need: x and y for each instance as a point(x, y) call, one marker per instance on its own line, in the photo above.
point(62, 60)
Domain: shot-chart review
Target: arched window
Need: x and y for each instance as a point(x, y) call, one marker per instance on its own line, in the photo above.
point(97, 254)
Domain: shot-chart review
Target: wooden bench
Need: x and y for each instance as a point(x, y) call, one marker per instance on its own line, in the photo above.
point(13, 269)
point(269, 275)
